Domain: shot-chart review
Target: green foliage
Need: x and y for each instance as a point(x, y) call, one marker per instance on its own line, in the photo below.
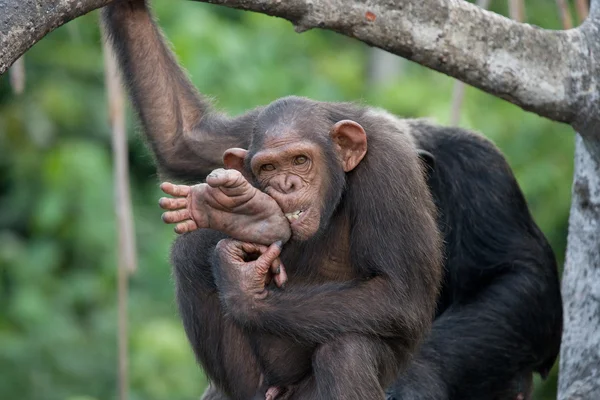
point(57, 223)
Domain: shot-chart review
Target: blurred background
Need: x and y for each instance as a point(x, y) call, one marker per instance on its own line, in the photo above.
point(57, 220)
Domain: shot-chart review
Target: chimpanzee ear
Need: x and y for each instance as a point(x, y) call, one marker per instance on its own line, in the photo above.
point(428, 160)
point(234, 158)
point(350, 140)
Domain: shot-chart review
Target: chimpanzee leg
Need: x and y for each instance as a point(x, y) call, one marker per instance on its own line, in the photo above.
point(352, 367)
point(219, 344)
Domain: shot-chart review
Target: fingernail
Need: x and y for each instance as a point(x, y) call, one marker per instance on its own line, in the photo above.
point(278, 271)
point(279, 244)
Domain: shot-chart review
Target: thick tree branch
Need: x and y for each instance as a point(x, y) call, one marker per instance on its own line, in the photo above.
point(514, 61)
point(24, 22)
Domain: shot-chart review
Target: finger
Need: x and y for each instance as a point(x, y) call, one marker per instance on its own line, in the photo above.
point(274, 270)
point(232, 247)
point(253, 248)
point(167, 203)
point(186, 226)
point(173, 217)
point(276, 267)
point(229, 178)
point(280, 278)
point(269, 256)
point(175, 190)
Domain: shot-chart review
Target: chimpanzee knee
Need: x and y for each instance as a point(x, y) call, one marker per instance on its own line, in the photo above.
point(336, 373)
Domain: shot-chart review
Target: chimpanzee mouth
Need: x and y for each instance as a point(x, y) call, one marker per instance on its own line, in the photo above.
point(294, 216)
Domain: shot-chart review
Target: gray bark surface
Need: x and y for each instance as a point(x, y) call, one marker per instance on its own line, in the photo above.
point(555, 74)
point(24, 22)
point(580, 351)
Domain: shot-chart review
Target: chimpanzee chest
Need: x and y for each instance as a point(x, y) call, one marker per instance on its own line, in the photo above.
point(284, 361)
point(335, 264)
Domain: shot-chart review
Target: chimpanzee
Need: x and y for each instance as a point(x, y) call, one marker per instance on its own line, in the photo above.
point(362, 266)
point(322, 335)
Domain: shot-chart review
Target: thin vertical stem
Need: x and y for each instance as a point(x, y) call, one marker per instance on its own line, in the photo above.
point(565, 14)
point(583, 9)
point(17, 75)
point(127, 259)
point(516, 10)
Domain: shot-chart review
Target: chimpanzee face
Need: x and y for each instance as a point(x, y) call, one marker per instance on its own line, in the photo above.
point(293, 172)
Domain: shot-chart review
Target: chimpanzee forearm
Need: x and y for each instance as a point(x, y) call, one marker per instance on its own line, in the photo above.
point(486, 348)
point(219, 344)
point(317, 313)
point(187, 138)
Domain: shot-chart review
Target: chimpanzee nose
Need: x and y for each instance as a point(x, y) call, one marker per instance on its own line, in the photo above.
point(287, 183)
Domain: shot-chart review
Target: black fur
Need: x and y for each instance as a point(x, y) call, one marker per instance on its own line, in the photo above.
point(499, 314)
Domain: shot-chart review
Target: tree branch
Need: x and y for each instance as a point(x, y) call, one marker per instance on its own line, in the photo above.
point(517, 62)
point(514, 61)
point(24, 23)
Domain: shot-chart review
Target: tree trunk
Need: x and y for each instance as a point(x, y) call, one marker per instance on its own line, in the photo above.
point(580, 351)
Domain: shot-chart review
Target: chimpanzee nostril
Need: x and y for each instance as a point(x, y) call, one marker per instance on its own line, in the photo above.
point(291, 183)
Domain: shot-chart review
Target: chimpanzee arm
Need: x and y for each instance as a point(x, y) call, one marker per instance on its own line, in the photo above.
point(187, 138)
point(218, 343)
point(394, 298)
point(485, 347)
point(316, 314)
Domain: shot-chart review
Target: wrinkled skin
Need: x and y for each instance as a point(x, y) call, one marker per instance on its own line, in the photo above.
point(289, 173)
point(248, 265)
point(227, 203)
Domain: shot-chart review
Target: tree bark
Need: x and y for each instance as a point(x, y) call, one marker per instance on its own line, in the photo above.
point(580, 351)
point(511, 60)
point(555, 74)
point(515, 61)
point(24, 22)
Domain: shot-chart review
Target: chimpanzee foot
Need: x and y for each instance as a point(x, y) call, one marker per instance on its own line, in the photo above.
point(227, 203)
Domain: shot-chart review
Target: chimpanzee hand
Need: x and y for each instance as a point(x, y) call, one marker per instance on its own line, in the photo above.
point(248, 268)
point(226, 203)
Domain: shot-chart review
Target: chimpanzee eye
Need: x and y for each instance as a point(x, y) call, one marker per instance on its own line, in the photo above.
point(267, 167)
point(300, 160)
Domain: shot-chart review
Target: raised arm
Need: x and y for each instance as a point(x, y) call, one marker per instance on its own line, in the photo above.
point(188, 138)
